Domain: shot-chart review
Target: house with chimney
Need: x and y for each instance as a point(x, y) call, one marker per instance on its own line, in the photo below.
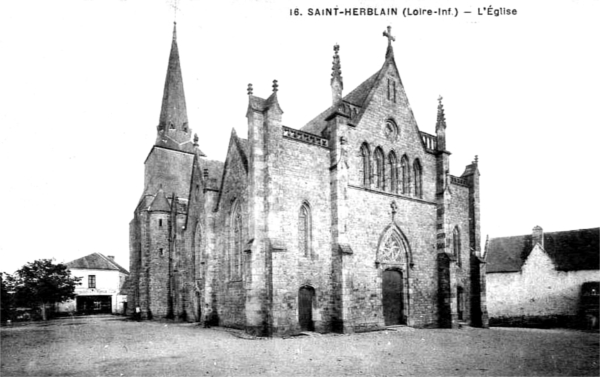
point(543, 279)
point(102, 283)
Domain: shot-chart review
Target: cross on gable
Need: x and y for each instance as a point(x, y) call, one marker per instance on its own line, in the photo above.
point(389, 36)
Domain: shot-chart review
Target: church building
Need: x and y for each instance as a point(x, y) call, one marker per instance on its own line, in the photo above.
point(350, 223)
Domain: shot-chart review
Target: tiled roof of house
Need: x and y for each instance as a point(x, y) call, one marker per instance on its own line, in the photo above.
point(96, 261)
point(569, 250)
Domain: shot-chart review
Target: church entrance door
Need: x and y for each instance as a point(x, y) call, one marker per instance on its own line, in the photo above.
point(392, 297)
point(305, 300)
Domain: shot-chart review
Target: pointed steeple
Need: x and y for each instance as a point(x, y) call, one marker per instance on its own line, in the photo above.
point(390, 51)
point(173, 123)
point(337, 83)
point(440, 126)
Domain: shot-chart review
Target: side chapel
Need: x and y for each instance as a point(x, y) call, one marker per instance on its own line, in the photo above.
point(352, 222)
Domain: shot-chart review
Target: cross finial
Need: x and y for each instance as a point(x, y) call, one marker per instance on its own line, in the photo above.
point(389, 36)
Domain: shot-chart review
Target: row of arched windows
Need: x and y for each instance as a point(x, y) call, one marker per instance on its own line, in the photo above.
point(385, 174)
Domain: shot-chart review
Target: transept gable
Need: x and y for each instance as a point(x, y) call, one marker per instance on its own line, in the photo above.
point(237, 150)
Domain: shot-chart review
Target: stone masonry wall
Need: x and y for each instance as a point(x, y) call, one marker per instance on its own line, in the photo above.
point(170, 169)
point(538, 290)
point(370, 211)
point(302, 176)
point(458, 216)
point(230, 293)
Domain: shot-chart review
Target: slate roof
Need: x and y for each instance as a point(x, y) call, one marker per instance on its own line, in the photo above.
point(356, 97)
point(571, 250)
point(96, 261)
point(160, 202)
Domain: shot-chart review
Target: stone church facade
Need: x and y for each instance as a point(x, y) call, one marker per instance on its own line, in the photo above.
point(350, 223)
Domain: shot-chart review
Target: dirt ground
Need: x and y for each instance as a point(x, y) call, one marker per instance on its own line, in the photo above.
point(112, 346)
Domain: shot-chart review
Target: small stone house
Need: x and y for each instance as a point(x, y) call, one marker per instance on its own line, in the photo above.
point(538, 279)
point(100, 291)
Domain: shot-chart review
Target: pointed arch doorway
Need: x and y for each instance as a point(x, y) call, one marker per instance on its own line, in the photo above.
point(394, 260)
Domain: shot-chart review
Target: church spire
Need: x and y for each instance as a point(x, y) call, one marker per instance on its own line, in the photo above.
point(337, 83)
point(390, 51)
point(173, 122)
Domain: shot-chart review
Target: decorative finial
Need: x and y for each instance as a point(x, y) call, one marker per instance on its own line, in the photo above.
point(195, 140)
point(250, 91)
point(337, 67)
point(441, 117)
point(389, 36)
point(275, 86)
point(476, 161)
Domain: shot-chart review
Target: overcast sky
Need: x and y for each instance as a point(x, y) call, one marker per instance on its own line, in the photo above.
point(81, 85)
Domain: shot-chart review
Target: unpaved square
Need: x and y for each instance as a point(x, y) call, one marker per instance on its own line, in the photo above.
point(112, 346)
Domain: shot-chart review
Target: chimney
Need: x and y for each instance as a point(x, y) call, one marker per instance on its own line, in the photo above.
point(111, 257)
point(538, 236)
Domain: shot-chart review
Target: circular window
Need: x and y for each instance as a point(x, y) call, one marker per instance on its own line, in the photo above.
point(391, 130)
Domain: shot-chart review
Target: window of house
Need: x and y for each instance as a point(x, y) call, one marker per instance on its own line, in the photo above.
point(91, 281)
point(159, 222)
point(304, 231)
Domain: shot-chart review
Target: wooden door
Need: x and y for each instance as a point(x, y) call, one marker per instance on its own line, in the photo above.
point(305, 300)
point(392, 292)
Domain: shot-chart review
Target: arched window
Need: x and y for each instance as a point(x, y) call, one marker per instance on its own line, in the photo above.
point(393, 172)
point(456, 246)
point(418, 178)
point(365, 165)
point(304, 230)
point(379, 169)
point(405, 175)
point(235, 254)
